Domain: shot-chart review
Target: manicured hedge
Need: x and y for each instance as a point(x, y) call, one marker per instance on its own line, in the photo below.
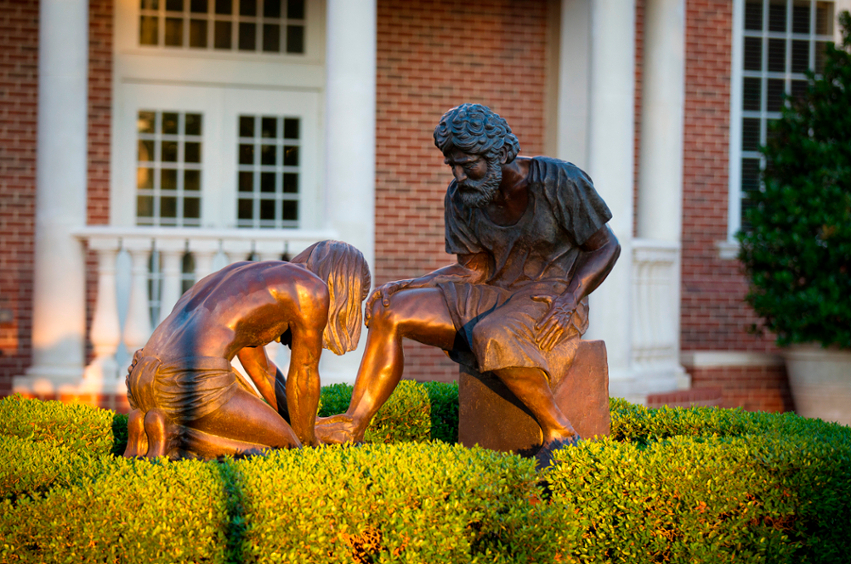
point(97, 431)
point(428, 410)
point(669, 485)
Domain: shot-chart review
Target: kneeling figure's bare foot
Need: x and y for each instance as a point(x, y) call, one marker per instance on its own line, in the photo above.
point(338, 429)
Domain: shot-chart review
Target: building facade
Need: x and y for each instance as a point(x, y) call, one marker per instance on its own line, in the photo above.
point(148, 142)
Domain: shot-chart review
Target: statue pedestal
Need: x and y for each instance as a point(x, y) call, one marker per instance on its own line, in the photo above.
point(492, 417)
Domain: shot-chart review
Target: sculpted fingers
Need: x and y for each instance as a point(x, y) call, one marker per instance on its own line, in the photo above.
point(384, 292)
point(551, 337)
point(369, 304)
point(547, 316)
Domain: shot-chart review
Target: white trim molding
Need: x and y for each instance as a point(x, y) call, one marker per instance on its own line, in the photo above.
point(722, 359)
point(728, 249)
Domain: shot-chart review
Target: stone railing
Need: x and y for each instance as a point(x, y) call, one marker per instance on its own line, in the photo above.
point(122, 313)
point(655, 307)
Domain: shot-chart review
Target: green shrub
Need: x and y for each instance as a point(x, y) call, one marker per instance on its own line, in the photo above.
point(757, 498)
point(669, 485)
point(414, 412)
point(406, 416)
point(30, 467)
point(334, 399)
point(636, 423)
point(97, 431)
point(797, 252)
point(379, 503)
point(137, 511)
point(444, 411)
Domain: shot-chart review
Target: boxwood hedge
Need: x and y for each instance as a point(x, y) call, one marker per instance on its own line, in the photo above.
point(669, 485)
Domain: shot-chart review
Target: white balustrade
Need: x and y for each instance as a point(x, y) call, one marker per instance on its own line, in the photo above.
point(137, 326)
point(655, 291)
point(106, 329)
point(655, 306)
point(171, 252)
point(204, 251)
point(208, 248)
point(269, 250)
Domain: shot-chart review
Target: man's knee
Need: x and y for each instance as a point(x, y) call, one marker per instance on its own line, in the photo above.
point(385, 317)
point(490, 331)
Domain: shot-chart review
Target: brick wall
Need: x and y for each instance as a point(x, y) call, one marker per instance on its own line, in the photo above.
point(100, 121)
point(18, 109)
point(639, 74)
point(755, 388)
point(714, 316)
point(18, 124)
point(433, 56)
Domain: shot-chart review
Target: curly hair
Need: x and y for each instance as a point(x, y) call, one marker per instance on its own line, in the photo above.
point(346, 274)
point(477, 130)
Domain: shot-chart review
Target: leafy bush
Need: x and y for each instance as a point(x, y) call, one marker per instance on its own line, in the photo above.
point(136, 511)
point(669, 485)
point(29, 467)
point(98, 431)
point(797, 253)
point(408, 502)
point(428, 410)
point(723, 499)
point(444, 411)
point(409, 405)
point(334, 399)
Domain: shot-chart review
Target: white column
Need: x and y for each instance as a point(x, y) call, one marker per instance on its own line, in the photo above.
point(573, 82)
point(660, 173)
point(660, 179)
point(203, 251)
point(137, 326)
point(269, 250)
point(102, 374)
point(171, 251)
point(350, 141)
point(238, 249)
point(59, 289)
point(610, 164)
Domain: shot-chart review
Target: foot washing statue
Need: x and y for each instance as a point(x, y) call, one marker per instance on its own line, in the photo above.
point(531, 242)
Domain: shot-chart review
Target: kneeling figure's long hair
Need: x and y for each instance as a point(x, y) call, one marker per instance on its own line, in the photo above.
point(346, 274)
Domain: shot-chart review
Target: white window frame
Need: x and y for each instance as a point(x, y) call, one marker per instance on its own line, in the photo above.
point(219, 85)
point(220, 108)
point(210, 17)
point(729, 248)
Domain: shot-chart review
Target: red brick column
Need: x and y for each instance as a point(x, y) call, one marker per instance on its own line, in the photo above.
point(714, 314)
point(18, 111)
point(100, 123)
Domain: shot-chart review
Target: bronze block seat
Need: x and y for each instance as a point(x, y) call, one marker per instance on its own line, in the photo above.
point(492, 417)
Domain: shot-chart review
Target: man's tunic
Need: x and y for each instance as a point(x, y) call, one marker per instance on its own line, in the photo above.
point(531, 264)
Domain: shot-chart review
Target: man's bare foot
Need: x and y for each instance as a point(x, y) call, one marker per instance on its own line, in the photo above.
point(544, 456)
point(338, 429)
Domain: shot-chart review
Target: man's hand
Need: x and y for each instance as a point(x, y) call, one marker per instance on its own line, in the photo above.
point(383, 292)
point(552, 327)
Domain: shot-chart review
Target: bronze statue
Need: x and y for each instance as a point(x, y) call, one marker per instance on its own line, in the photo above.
point(531, 241)
point(186, 398)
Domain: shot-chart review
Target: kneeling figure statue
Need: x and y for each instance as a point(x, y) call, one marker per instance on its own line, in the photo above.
point(186, 398)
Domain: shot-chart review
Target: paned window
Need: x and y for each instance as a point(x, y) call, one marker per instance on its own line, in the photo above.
point(262, 26)
point(168, 171)
point(781, 40)
point(268, 171)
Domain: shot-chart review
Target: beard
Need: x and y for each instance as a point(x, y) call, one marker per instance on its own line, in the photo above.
point(479, 193)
